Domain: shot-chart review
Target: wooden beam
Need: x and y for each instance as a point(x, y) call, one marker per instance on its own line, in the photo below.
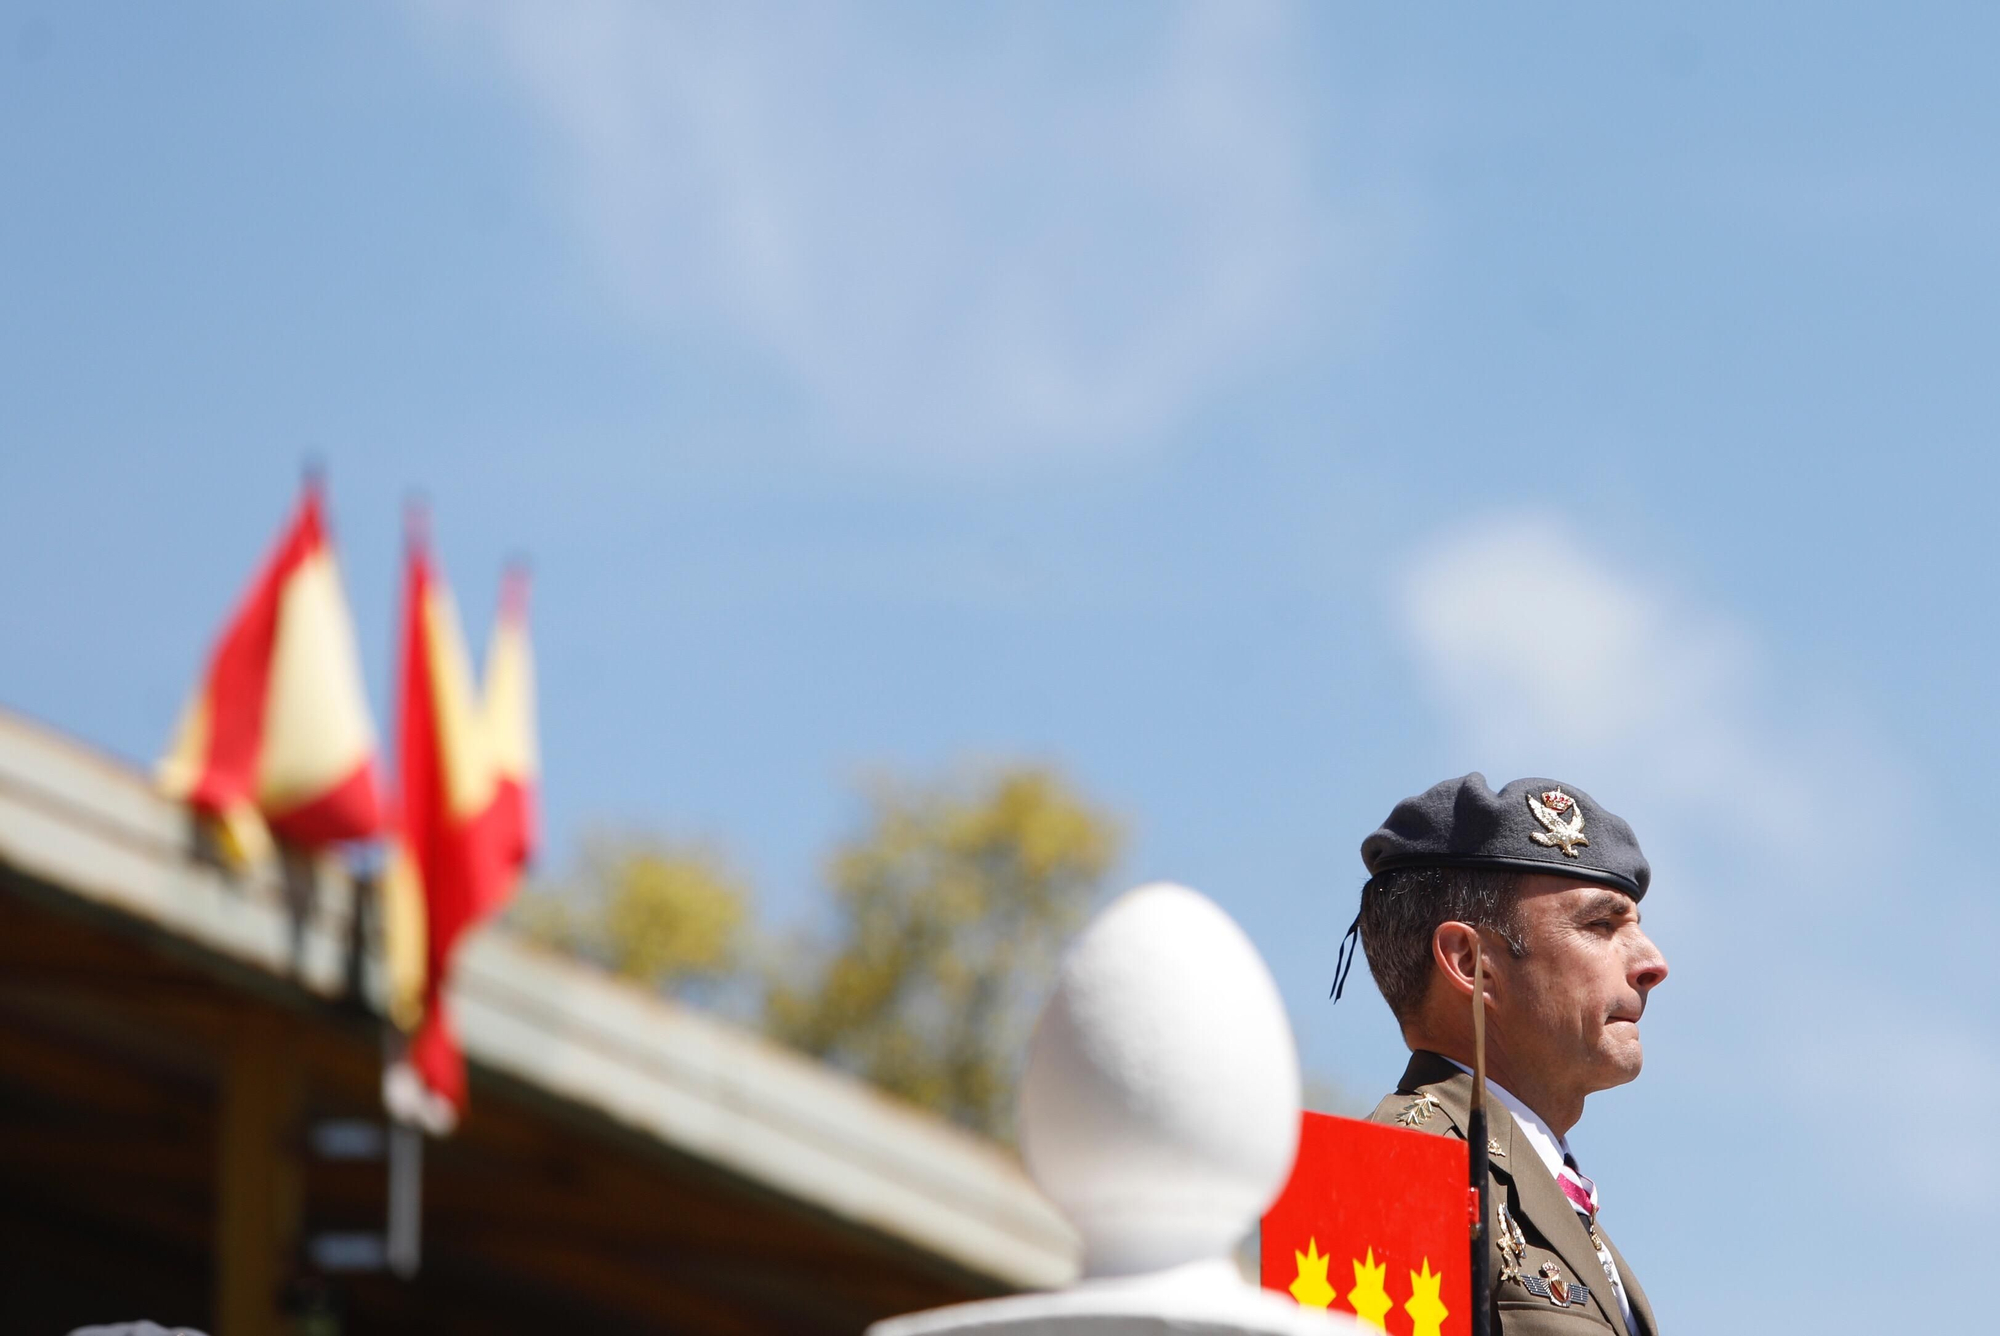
point(258, 1178)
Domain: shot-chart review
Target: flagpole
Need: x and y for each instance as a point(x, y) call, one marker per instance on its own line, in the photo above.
point(1476, 1137)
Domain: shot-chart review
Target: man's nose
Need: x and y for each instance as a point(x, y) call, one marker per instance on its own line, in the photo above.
point(1649, 967)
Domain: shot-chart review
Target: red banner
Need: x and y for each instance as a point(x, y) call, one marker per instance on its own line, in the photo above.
point(1375, 1222)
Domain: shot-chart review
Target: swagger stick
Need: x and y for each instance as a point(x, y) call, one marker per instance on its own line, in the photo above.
point(1475, 1135)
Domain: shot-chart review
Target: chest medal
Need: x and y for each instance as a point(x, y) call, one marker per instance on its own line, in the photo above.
point(1550, 1285)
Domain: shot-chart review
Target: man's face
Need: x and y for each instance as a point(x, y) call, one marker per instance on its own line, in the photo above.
point(1571, 1005)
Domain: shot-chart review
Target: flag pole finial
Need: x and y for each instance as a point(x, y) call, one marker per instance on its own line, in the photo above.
point(515, 576)
point(417, 519)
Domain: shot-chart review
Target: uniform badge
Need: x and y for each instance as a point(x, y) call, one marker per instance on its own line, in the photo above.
point(1419, 1110)
point(1493, 1147)
point(1550, 1285)
point(1562, 821)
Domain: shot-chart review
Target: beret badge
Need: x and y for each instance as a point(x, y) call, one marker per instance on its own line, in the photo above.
point(1561, 821)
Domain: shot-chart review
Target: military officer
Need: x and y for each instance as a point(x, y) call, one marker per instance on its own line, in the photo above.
point(1549, 883)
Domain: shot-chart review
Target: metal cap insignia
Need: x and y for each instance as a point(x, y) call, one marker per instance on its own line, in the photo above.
point(1557, 832)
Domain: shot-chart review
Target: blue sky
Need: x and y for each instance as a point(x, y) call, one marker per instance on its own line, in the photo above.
point(1264, 412)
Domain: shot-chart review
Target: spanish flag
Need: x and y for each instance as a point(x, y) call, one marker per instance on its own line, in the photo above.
point(462, 825)
point(510, 724)
point(277, 739)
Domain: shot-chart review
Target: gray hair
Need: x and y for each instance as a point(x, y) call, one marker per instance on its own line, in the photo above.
point(1402, 908)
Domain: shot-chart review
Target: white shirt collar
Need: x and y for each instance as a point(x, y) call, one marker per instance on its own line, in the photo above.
point(1550, 1147)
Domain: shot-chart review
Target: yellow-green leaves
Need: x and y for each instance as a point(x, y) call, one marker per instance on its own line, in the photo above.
point(952, 899)
point(655, 911)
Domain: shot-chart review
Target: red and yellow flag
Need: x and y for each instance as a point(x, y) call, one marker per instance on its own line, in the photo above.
point(1375, 1221)
point(463, 823)
point(277, 738)
point(509, 710)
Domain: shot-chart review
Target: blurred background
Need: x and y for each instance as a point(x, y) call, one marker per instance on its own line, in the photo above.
point(1140, 442)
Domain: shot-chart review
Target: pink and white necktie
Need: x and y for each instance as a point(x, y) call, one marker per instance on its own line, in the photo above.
point(1582, 1193)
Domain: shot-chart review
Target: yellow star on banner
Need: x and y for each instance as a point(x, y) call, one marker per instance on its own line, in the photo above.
point(1311, 1289)
point(1426, 1310)
point(1371, 1302)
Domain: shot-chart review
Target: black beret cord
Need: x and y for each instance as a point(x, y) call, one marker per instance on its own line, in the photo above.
point(1343, 960)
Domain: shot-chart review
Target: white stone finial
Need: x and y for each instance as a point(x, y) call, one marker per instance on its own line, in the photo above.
point(1160, 1113)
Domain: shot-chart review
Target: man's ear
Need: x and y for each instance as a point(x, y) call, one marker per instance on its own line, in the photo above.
point(1452, 952)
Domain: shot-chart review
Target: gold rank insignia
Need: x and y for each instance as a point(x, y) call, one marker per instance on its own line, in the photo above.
point(1419, 1110)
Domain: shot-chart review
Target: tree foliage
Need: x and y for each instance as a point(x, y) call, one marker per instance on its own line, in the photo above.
point(950, 903)
point(665, 914)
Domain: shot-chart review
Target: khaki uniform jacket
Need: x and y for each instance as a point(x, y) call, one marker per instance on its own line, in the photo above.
point(1549, 1228)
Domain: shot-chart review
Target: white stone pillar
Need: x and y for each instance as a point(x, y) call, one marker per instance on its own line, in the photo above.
point(1160, 1113)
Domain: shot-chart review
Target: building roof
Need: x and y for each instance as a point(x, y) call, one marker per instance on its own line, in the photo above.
point(92, 828)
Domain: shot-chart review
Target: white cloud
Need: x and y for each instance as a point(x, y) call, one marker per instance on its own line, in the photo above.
point(1554, 662)
point(961, 234)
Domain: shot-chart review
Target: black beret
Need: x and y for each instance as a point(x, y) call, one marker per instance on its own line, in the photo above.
point(1533, 825)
